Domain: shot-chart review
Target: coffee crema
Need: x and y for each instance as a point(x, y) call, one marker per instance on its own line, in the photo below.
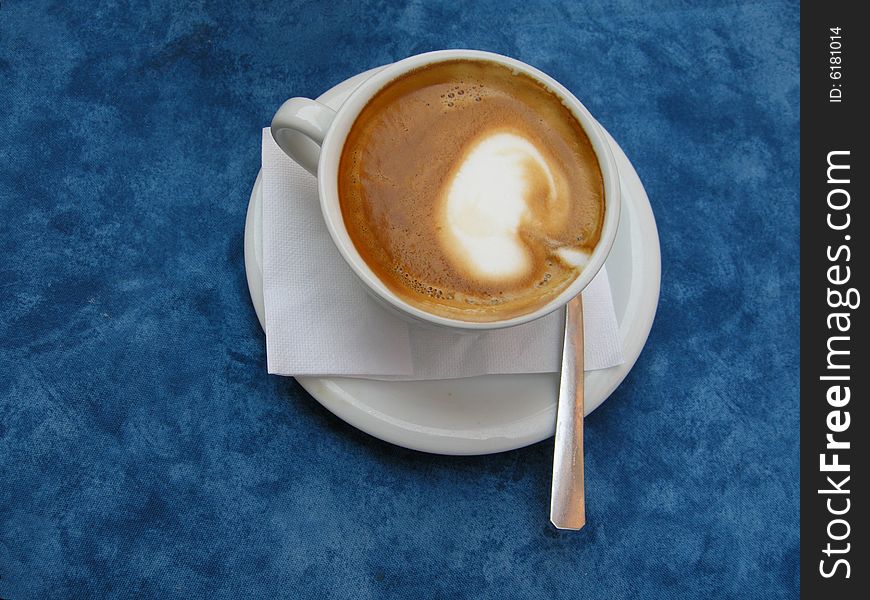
point(471, 190)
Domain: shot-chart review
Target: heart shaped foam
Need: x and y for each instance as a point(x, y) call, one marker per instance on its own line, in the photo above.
point(487, 200)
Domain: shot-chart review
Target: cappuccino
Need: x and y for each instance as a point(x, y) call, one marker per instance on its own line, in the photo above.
point(471, 190)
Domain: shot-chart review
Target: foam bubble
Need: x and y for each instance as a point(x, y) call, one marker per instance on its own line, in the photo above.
point(485, 203)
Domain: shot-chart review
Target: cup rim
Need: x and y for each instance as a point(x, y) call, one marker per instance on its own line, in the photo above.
point(327, 185)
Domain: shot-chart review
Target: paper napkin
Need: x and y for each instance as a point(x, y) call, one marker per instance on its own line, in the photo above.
point(321, 321)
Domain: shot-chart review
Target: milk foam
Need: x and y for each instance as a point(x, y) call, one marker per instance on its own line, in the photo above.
point(486, 202)
point(574, 257)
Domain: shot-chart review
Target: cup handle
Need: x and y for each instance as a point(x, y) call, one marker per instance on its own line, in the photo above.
point(299, 127)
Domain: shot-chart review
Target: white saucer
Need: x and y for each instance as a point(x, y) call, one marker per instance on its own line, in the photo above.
point(490, 413)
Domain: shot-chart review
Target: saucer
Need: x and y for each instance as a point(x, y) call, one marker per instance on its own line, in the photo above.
point(489, 413)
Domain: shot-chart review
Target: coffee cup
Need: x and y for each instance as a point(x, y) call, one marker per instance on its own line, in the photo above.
point(315, 136)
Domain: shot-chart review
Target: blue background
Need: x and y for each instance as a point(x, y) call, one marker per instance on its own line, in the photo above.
point(144, 452)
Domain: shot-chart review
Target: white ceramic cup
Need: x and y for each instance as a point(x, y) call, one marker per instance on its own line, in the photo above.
point(313, 135)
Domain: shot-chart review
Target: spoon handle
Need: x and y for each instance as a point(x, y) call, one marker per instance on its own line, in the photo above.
point(567, 499)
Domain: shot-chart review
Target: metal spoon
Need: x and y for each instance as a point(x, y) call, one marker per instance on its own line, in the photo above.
point(567, 499)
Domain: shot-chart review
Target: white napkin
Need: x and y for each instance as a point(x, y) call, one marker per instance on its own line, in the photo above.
point(320, 320)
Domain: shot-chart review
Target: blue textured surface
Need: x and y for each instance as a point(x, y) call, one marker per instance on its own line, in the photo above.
point(144, 452)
